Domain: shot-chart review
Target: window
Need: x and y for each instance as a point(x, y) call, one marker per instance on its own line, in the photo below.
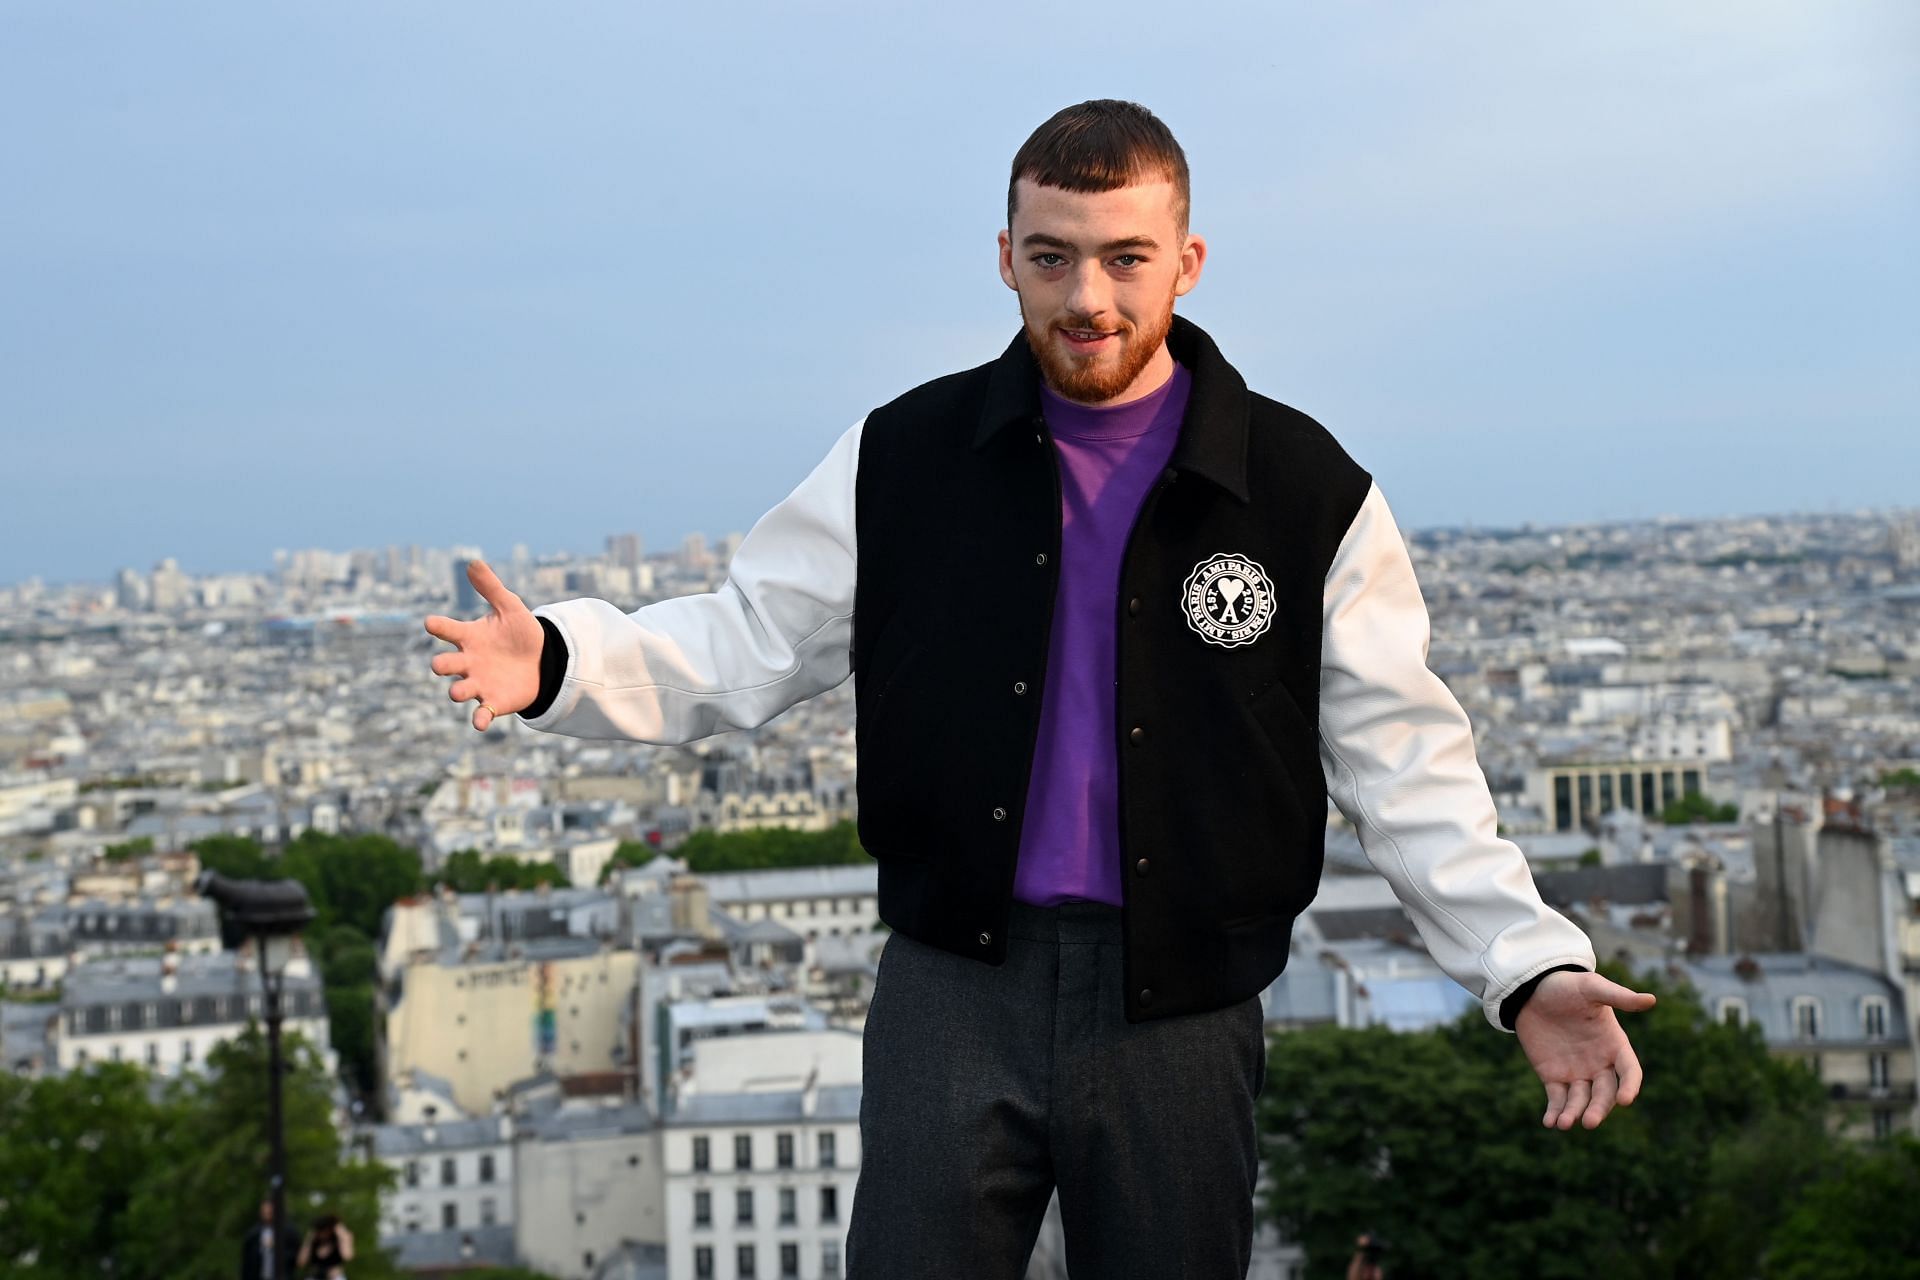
point(413, 1173)
point(487, 1211)
point(447, 1172)
point(789, 1261)
point(449, 1215)
point(743, 1151)
point(703, 1262)
point(153, 1053)
point(486, 1167)
point(826, 1150)
point(789, 1216)
point(1882, 1124)
point(744, 1255)
point(830, 1260)
point(701, 1155)
point(1877, 1073)
point(1733, 1011)
point(1873, 1015)
point(186, 1050)
point(783, 1150)
point(743, 1206)
point(829, 1204)
point(586, 1260)
point(703, 1208)
point(1806, 1017)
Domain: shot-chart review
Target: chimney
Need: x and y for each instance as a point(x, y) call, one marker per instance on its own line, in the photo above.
point(170, 968)
point(1700, 916)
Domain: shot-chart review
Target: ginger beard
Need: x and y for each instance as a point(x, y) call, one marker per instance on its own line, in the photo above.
point(1100, 376)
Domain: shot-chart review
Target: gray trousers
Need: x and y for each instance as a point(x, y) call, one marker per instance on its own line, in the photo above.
point(986, 1086)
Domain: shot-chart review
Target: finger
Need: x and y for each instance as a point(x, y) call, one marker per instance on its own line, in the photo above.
point(1556, 1099)
point(451, 664)
point(452, 630)
point(1578, 1094)
point(1607, 991)
point(1629, 1076)
point(1605, 1086)
point(488, 584)
point(482, 718)
point(463, 690)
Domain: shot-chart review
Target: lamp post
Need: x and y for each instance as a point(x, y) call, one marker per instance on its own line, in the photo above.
point(270, 914)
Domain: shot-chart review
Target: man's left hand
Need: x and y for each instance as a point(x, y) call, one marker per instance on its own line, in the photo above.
point(1577, 1048)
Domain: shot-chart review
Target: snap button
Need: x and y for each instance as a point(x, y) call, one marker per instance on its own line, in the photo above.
point(1040, 557)
point(1133, 607)
point(1140, 867)
point(999, 815)
point(1019, 686)
point(985, 937)
point(1146, 995)
point(1138, 735)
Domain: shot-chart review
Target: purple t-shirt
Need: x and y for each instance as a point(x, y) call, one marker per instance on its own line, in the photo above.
point(1109, 458)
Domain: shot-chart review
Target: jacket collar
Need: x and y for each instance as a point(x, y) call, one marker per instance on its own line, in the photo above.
point(1213, 439)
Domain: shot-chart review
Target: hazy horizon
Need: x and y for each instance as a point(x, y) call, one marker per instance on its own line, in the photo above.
point(484, 275)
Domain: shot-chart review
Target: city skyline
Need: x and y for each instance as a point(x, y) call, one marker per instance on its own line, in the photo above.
point(475, 277)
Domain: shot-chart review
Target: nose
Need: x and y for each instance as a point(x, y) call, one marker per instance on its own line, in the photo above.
point(1088, 294)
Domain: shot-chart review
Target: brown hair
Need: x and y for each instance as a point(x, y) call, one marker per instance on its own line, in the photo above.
point(1102, 145)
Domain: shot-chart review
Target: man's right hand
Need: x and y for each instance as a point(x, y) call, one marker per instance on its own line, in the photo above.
point(498, 656)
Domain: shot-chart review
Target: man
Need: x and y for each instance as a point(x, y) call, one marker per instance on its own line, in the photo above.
point(267, 1254)
point(1118, 629)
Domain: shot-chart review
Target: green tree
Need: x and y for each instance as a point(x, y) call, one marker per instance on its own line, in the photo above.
point(352, 879)
point(1858, 1224)
point(235, 856)
point(468, 871)
point(762, 848)
point(1435, 1141)
point(1697, 807)
point(72, 1148)
point(138, 847)
point(205, 1176)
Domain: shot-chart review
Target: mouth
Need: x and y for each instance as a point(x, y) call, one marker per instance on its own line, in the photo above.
point(1088, 340)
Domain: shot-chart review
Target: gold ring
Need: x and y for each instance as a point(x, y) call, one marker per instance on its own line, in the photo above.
point(490, 711)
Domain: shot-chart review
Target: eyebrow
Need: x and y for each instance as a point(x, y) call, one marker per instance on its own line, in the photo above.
point(1037, 240)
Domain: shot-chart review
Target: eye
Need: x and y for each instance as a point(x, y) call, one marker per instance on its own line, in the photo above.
point(1128, 260)
point(1042, 260)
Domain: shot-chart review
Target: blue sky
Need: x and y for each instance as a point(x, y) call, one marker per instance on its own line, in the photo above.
point(354, 274)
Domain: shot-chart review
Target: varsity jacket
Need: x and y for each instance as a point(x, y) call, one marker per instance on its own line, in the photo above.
point(1271, 645)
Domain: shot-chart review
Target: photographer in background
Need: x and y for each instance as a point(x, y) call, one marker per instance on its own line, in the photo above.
point(326, 1250)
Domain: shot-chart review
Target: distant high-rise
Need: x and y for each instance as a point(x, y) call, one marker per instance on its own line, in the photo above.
point(624, 550)
point(693, 551)
point(169, 586)
point(467, 603)
point(130, 590)
point(1905, 540)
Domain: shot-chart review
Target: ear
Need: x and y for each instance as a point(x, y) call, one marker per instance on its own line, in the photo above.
point(1192, 257)
point(1006, 260)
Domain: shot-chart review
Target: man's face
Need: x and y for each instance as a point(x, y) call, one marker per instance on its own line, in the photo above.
point(1097, 273)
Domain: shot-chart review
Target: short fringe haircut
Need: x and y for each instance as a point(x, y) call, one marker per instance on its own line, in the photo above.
point(1102, 145)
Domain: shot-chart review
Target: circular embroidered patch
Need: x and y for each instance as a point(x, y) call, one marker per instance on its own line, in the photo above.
point(1229, 600)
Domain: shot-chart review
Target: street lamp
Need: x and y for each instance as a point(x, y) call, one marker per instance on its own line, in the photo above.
point(270, 914)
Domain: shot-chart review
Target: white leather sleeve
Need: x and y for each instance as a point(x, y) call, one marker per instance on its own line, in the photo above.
point(1400, 763)
point(775, 633)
